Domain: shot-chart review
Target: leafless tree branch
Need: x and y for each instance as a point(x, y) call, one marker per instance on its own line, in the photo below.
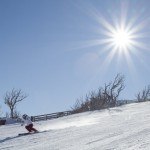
point(12, 98)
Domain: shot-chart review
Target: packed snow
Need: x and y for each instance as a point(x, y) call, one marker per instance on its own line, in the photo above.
point(120, 128)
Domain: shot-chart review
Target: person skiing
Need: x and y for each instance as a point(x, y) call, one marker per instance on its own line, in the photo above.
point(28, 123)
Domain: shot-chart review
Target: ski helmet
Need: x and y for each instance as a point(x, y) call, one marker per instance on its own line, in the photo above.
point(24, 116)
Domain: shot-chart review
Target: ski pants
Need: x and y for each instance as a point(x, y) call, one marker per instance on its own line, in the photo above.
point(30, 128)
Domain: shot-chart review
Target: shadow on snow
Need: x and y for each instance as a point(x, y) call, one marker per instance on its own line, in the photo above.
point(8, 138)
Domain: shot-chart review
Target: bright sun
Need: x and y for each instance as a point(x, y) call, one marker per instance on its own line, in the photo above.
point(121, 39)
point(119, 35)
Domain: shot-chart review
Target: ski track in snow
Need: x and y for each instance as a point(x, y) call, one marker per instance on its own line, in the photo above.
point(120, 128)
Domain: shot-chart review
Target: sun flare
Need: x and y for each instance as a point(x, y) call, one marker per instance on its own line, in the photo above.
point(119, 38)
point(120, 35)
point(122, 39)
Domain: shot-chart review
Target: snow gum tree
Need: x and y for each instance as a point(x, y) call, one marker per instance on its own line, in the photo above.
point(12, 98)
point(106, 96)
point(112, 90)
point(144, 95)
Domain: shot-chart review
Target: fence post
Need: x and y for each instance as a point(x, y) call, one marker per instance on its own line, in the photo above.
point(32, 119)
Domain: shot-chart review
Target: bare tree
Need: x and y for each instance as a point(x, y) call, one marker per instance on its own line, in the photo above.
point(113, 89)
point(144, 95)
point(77, 106)
point(12, 98)
point(104, 98)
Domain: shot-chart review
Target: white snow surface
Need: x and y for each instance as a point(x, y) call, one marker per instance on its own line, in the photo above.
point(121, 128)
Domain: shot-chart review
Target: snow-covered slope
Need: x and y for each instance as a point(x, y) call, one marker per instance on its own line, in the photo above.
point(121, 128)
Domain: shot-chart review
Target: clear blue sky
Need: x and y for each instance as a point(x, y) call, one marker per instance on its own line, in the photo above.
point(56, 51)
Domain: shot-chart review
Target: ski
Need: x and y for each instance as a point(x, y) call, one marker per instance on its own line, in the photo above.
point(21, 134)
point(29, 133)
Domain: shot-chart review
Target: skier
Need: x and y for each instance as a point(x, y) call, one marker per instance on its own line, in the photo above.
point(28, 123)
